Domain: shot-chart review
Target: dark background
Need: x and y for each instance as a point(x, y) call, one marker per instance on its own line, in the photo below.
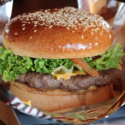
point(24, 6)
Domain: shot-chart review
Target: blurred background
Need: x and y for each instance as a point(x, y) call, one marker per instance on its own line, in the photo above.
point(24, 6)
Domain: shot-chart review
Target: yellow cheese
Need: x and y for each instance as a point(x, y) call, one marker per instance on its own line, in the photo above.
point(27, 102)
point(68, 75)
point(119, 66)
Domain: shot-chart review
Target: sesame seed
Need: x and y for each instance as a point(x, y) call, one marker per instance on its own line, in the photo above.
point(100, 33)
point(23, 28)
point(15, 33)
point(67, 17)
point(27, 19)
point(30, 37)
point(103, 27)
point(35, 31)
point(82, 36)
point(67, 28)
point(98, 28)
point(96, 37)
point(50, 26)
point(91, 32)
point(96, 44)
point(110, 36)
point(23, 24)
point(23, 21)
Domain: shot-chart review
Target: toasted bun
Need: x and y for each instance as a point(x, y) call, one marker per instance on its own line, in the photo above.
point(53, 100)
point(57, 33)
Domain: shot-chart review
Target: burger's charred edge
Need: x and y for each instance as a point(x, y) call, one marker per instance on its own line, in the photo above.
point(46, 81)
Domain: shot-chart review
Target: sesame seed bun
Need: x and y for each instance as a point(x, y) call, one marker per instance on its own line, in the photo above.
point(53, 100)
point(57, 33)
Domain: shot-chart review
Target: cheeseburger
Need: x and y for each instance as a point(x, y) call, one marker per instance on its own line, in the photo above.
point(60, 58)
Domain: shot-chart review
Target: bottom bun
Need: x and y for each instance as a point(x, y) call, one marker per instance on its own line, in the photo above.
point(53, 100)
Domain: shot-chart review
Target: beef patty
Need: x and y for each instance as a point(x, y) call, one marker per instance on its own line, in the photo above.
point(47, 81)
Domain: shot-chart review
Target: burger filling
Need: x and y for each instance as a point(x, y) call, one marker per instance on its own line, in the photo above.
point(47, 81)
point(43, 73)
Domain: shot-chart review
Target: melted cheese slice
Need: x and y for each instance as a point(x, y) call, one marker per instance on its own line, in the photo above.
point(68, 75)
point(27, 102)
point(119, 66)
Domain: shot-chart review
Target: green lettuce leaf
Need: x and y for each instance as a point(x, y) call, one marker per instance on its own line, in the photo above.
point(48, 65)
point(63, 69)
point(107, 60)
point(12, 66)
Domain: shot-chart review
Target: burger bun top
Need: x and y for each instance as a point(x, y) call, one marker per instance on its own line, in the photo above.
point(57, 33)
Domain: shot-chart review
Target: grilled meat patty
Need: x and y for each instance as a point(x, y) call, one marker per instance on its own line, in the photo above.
point(47, 81)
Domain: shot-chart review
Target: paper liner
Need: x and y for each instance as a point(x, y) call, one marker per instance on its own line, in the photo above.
point(91, 113)
point(2, 2)
point(114, 14)
point(9, 99)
